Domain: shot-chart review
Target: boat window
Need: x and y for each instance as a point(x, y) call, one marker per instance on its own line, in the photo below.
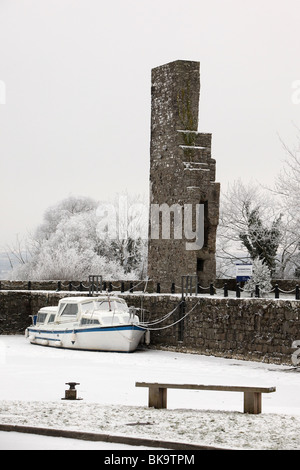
point(51, 318)
point(89, 321)
point(87, 306)
point(41, 317)
point(121, 306)
point(105, 305)
point(111, 305)
point(70, 309)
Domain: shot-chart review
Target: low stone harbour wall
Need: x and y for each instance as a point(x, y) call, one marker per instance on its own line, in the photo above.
point(249, 329)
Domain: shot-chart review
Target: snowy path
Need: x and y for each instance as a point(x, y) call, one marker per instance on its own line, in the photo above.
point(33, 383)
point(18, 441)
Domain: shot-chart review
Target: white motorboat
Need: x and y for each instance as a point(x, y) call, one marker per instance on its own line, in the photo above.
point(103, 323)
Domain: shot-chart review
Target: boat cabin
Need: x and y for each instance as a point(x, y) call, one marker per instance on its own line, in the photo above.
point(86, 311)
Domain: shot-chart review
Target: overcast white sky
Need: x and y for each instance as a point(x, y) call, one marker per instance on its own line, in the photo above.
point(76, 118)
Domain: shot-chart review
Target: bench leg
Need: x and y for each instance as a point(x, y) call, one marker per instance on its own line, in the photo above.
point(252, 403)
point(157, 397)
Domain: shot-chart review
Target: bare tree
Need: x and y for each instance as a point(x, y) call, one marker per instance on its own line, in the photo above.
point(18, 252)
point(287, 187)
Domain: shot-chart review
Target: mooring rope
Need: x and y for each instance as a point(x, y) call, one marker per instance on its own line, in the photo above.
point(155, 322)
point(177, 321)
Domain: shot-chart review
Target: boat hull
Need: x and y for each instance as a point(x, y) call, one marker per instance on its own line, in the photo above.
point(121, 338)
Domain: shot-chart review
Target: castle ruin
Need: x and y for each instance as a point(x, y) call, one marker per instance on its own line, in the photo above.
point(182, 175)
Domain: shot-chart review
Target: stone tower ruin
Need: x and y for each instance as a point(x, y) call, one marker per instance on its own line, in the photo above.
point(182, 176)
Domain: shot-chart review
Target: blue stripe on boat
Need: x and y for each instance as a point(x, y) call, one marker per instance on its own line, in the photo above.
point(86, 330)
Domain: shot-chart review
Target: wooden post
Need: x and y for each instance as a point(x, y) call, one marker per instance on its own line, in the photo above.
point(157, 397)
point(252, 403)
point(181, 313)
point(257, 291)
point(225, 290)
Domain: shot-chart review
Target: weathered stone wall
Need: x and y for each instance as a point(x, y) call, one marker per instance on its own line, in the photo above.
point(250, 329)
point(181, 172)
point(17, 306)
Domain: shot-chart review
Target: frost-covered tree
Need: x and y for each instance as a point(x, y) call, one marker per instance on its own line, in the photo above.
point(62, 211)
point(261, 241)
point(261, 277)
point(123, 231)
point(69, 245)
point(249, 218)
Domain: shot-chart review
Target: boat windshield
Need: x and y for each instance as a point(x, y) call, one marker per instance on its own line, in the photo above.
point(68, 309)
point(87, 306)
point(103, 305)
point(41, 317)
point(111, 305)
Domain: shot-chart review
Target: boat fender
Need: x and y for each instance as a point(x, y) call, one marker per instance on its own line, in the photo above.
point(73, 337)
point(26, 333)
point(132, 311)
point(147, 337)
point(31, 337)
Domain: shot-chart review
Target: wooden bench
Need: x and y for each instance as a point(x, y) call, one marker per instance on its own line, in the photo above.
point(252, 395)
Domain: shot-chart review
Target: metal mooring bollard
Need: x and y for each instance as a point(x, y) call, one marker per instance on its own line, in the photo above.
point(71, 394)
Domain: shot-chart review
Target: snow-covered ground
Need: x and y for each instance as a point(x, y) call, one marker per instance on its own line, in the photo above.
point(33, 382)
